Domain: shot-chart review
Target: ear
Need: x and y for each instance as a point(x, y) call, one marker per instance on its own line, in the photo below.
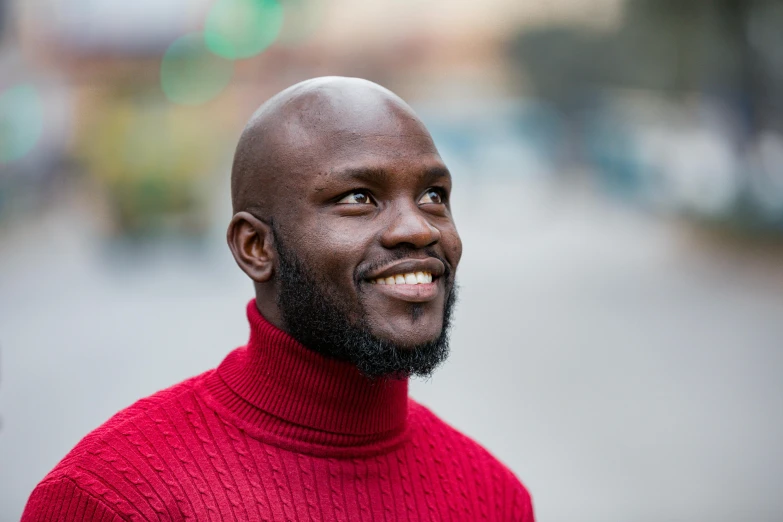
point(250, 240)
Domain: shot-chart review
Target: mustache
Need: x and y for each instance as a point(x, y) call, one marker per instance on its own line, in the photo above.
point(402, 253)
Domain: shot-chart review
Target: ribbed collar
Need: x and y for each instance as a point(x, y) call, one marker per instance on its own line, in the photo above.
point(278, 386)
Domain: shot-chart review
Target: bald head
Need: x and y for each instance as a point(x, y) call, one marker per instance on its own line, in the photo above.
point(291, 135)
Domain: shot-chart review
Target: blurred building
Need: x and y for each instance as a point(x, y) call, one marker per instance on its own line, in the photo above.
point(631, 87)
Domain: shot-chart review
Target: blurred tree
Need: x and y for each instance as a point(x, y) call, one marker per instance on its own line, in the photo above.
point(153, 159)
point(730, 50)
point(674, 46)
point(3, 9)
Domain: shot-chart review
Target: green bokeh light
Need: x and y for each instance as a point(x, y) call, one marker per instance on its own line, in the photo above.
point(21, 121)
point(190, 74)
point(242, 28)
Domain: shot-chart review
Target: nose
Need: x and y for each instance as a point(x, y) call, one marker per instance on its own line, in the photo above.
point(409, 227)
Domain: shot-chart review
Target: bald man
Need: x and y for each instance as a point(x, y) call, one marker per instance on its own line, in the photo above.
point(342, 221)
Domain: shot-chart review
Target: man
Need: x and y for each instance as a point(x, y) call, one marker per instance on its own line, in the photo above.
point(342, 220)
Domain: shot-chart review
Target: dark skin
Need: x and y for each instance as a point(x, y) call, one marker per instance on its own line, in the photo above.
point(356, 188)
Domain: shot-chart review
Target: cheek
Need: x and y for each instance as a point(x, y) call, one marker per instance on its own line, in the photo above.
point(452, 246)
point(334, 254)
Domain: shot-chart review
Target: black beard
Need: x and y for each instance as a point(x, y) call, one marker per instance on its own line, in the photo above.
point(318, 319)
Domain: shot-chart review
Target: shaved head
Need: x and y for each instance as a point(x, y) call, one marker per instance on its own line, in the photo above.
point(289, 133)
point(342, 220)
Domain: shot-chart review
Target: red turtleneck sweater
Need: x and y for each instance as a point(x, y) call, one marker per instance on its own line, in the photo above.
point(278, 432)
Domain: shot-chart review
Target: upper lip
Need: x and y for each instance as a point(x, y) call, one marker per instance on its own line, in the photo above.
point(404, 266)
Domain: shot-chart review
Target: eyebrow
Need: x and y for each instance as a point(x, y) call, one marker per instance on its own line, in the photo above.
point(379, 176)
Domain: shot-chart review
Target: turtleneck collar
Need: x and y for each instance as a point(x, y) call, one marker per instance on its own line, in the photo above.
point(277, 386)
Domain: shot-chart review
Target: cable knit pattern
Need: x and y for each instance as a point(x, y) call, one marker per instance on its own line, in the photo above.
point(278, 433)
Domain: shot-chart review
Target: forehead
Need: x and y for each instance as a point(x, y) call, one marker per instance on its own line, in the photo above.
point(389, 161)
point(373, 134)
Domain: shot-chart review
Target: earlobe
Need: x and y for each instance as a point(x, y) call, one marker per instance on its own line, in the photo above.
point(250, 241)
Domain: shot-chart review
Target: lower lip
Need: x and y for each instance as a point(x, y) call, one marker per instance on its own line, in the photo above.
point(420, 293)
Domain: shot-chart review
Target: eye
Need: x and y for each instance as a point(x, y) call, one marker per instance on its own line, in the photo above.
point(359, 197)
point(433, 195)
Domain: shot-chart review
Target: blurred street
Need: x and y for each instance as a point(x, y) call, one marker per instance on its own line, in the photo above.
point(627, 368)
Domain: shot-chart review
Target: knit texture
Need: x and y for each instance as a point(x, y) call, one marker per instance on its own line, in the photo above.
point(278, 432)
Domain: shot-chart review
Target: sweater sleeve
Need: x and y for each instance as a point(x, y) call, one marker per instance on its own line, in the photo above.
point(522, 505)
point(63, 500)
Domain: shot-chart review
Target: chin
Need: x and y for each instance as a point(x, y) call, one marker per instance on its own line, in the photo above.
point(410, 336)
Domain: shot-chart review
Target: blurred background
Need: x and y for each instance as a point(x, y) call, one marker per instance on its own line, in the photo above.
point(618, 186)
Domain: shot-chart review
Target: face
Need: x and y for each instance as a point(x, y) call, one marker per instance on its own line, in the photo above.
point(372, 224)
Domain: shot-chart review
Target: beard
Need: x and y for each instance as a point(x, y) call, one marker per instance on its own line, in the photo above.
point(318, 318)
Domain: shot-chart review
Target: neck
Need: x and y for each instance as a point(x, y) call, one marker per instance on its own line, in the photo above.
point(277, 386)
point(266, 304)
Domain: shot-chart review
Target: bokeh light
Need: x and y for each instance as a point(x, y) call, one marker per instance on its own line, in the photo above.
point(242, 28)
point(190, 74)
point(21, 121)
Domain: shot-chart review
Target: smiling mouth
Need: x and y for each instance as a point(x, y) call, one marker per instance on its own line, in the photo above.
point(408, 278)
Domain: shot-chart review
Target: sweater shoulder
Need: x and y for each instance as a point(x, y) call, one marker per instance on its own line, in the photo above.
point(62, 498)
point(426, 423)
point(488, 470)
point(106, 461)
point(136, 415)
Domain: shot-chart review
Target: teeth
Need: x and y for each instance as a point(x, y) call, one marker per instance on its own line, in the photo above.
point(410, 278)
